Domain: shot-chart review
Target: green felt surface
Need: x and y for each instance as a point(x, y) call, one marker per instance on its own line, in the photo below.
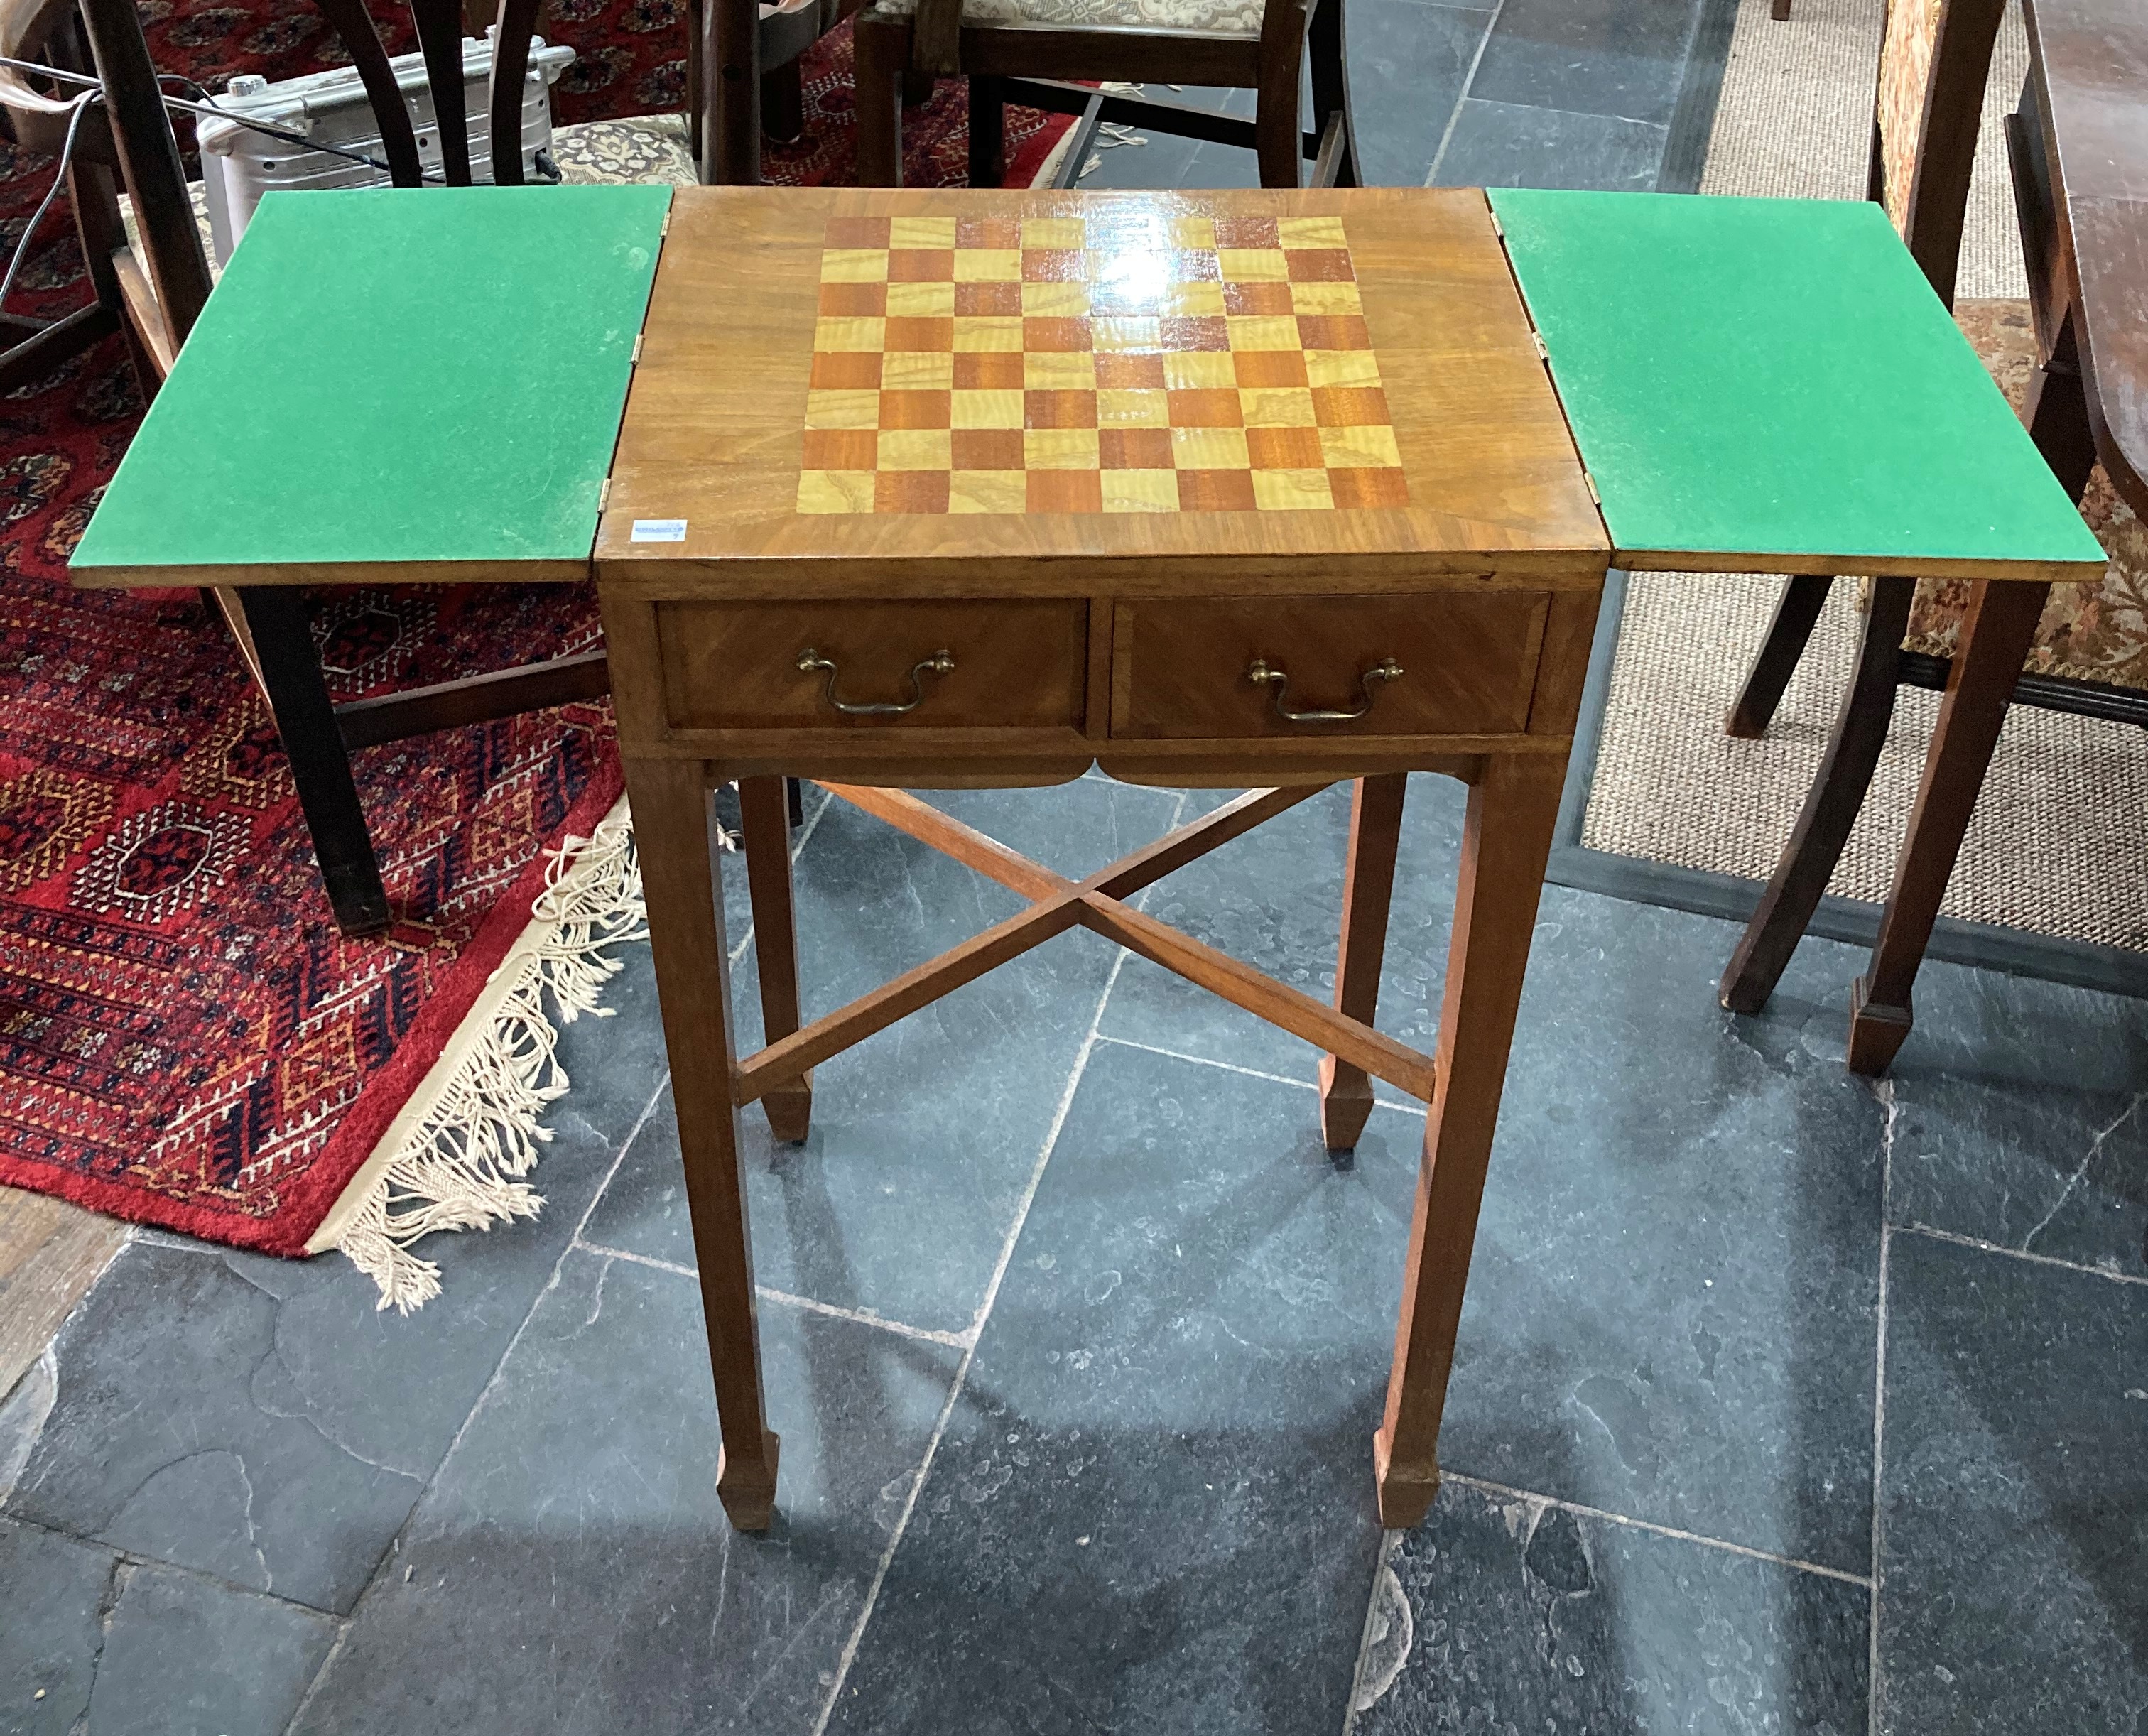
point(396, 375)
point(1775, 376)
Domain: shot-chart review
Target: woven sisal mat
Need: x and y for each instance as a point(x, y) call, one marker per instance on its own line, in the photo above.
point(2060, 843)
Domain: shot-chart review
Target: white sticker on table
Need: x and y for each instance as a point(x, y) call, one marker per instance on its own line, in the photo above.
point(659, 531)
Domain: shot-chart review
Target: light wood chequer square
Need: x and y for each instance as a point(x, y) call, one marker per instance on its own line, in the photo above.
point(1131, 361)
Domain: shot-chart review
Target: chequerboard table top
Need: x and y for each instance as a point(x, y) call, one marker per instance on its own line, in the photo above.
point(1121, 361)
point(391, 385)
point(839, 379)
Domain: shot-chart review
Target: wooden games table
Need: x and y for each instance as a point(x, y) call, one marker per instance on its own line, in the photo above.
point(1266, 488)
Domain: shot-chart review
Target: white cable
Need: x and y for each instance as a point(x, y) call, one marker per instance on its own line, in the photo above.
point(78, 109)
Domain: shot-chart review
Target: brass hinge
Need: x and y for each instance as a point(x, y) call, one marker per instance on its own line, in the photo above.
point(1536, 338)
point(1494, 216)
point(604, 494)
point(663, 228)
point(1591, 481)
point(635, 360)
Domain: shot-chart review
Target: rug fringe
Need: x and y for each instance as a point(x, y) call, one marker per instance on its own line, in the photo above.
point(456, 1161)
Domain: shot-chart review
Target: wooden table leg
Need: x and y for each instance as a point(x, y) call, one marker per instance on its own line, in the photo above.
point(1375, 824)
point(765, 810)
point(1507, 840)
point(1838, 791)
point(674, 826)
point(290, 669)
point(1995, 636)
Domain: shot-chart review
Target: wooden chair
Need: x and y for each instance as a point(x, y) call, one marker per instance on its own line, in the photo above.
point(1934, 60)
point(1024, 50)
point(755, 47)
point(151, 291)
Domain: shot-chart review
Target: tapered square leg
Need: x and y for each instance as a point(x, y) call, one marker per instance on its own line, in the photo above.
point(1375, 820)
point(1995, 636)
point(675, 825)
point(765, 811)
point(290, 669)
point(1505, 844)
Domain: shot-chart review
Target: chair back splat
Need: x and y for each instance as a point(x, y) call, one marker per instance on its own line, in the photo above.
point(439, 24)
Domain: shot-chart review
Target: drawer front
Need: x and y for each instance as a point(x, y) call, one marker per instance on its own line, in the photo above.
point(1008, 664)
point(1466, 662)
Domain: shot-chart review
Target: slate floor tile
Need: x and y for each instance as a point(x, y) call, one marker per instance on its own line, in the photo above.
point(1409, 61)
point(1273, 899)
point(186, 1657)
point(1516, 144)
point(2014, 1524)
point(96, 1646)
point(571, 1568)
point(1500, 1614)
point(924, 1136)
point(1600, 56)
point(1673, 1304)
point(1153, 1510)
point(2018, 1118)
point(52, 1590)
point(269, 1425)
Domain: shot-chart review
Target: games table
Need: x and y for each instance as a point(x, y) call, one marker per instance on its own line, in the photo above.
point(919, 488)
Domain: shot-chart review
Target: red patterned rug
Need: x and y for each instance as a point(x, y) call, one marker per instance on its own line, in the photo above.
point(185, 1039)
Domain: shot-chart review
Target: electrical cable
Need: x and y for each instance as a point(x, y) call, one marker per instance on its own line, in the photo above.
point(282, 135)
point(80, 108)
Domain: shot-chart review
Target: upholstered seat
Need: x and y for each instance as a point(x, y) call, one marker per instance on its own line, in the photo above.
point(1210, 17)
point(649, 148)
point(2089, 632)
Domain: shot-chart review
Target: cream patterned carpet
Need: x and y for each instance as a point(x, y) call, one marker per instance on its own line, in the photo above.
point(2059, 845)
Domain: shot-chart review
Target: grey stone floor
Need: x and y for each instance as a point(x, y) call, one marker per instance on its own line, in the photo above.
point(1782, 1403)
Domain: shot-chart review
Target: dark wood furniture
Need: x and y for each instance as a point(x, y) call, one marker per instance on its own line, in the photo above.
point(752, 51)
point(2078, 148)
point(124, 140)
point(1921, 162)
point(1030, 63)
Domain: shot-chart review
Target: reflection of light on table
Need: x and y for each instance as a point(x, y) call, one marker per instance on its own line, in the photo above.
point(1135, 269)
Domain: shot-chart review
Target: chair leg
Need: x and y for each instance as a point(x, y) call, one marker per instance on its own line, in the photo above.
point(299, 701)
point(1831, 804)
point(881, 49)
point(697, 51)
point(1278, 136)
point(1796, 610)
point(730, 96)
point(917, 88)
point(1375, 824)
point(1996, 637)
point(1331, 86)
point(783, 102)
point(987, 132)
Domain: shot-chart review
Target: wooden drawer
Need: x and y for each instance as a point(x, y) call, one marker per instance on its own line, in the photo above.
point(735, 665)
point(1467, 659)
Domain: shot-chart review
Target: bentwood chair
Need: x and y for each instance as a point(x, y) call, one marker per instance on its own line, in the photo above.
point(1026, 50)
point(1934, 59)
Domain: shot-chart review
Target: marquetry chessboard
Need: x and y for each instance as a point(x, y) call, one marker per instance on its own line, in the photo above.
point(1130, 361)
